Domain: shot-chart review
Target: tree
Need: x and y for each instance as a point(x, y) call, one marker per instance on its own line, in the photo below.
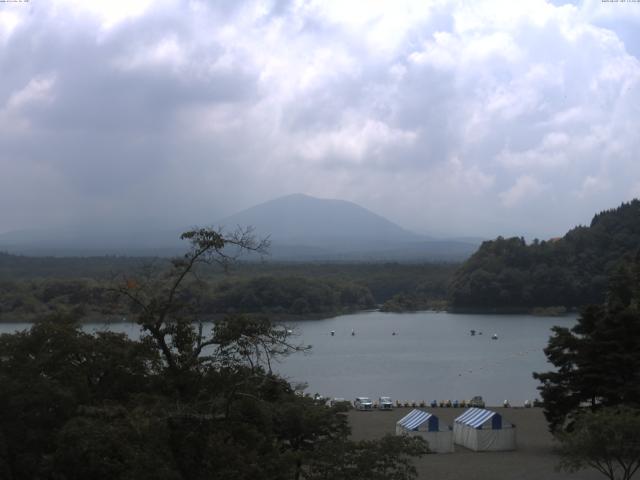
point(49, 374)
point(607, 440)
point(184, 402)
point(598, 360)
point(389, 458)
point(167, 307)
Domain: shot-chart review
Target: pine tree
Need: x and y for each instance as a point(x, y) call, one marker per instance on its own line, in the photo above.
point(598, 360)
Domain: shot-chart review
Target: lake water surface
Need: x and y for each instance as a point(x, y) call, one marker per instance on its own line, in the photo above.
point(432, 356)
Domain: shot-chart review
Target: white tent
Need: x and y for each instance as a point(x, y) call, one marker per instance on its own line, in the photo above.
point(427, 426)
point(483, 430)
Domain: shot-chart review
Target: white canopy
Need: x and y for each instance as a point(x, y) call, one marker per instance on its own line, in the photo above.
point(426, 425)
point(484, 430)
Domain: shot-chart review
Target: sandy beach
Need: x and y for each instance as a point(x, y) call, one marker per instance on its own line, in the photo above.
point(534, 458)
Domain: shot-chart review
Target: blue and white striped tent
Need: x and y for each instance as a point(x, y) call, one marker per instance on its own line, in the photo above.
point(417, 419)
point(484, 430)
point(427, 426)
point(477, 417)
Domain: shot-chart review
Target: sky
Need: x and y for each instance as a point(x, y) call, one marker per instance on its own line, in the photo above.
point(450, 118)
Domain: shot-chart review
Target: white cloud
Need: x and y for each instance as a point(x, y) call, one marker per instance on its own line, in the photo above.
point(551, 153)
point(356, 139)
point(526, 188)
point(37, 92)
point(593, 185)
point(39, 89)
point(9, 21)
point(381, 25)
point(166, 52)
point(447, 51)
point(109, 13)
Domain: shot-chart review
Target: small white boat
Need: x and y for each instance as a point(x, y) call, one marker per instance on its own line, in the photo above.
point(494, 336)
point(333, 332)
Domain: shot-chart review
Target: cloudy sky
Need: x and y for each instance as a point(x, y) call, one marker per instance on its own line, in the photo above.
point(448, 117)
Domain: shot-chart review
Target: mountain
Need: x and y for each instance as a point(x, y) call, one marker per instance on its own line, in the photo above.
point(571, 271)
point(303, 220)
point(300, 227)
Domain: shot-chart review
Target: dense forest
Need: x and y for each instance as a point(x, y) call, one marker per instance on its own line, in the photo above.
point(36, 286)
point(572, 271)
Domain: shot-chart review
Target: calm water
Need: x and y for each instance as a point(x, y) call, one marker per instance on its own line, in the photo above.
point(432, 355)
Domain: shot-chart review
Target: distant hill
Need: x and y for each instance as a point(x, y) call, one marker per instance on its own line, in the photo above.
point(571, 271)
point(303, 220)
point(301, 228)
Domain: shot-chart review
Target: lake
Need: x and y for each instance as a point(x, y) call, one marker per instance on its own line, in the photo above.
point(431, 357)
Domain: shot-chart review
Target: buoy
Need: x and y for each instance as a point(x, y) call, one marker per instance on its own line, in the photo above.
point(353, 332)
point(393, 333)
point(333, 332)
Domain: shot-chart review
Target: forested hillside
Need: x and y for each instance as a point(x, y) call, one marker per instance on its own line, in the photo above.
point(31, 287)
point(508, 273)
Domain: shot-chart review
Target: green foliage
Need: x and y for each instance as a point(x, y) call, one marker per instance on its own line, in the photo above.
point(404, 302)
point(598, 360)
point(571, 271)
point(113, 442)
point(389, 458)
point(607, 440)
point(292, 295)
point(181, 403)
point(50, 371)
point(83, 287)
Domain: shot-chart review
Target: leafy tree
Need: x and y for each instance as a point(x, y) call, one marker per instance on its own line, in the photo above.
point(48, 373)
point(389, 458)
point(598, 360)
point(607, 440)
point(184, 402)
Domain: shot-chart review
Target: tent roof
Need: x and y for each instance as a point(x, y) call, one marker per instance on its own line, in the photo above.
point(475, 417)
point(414, 419)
